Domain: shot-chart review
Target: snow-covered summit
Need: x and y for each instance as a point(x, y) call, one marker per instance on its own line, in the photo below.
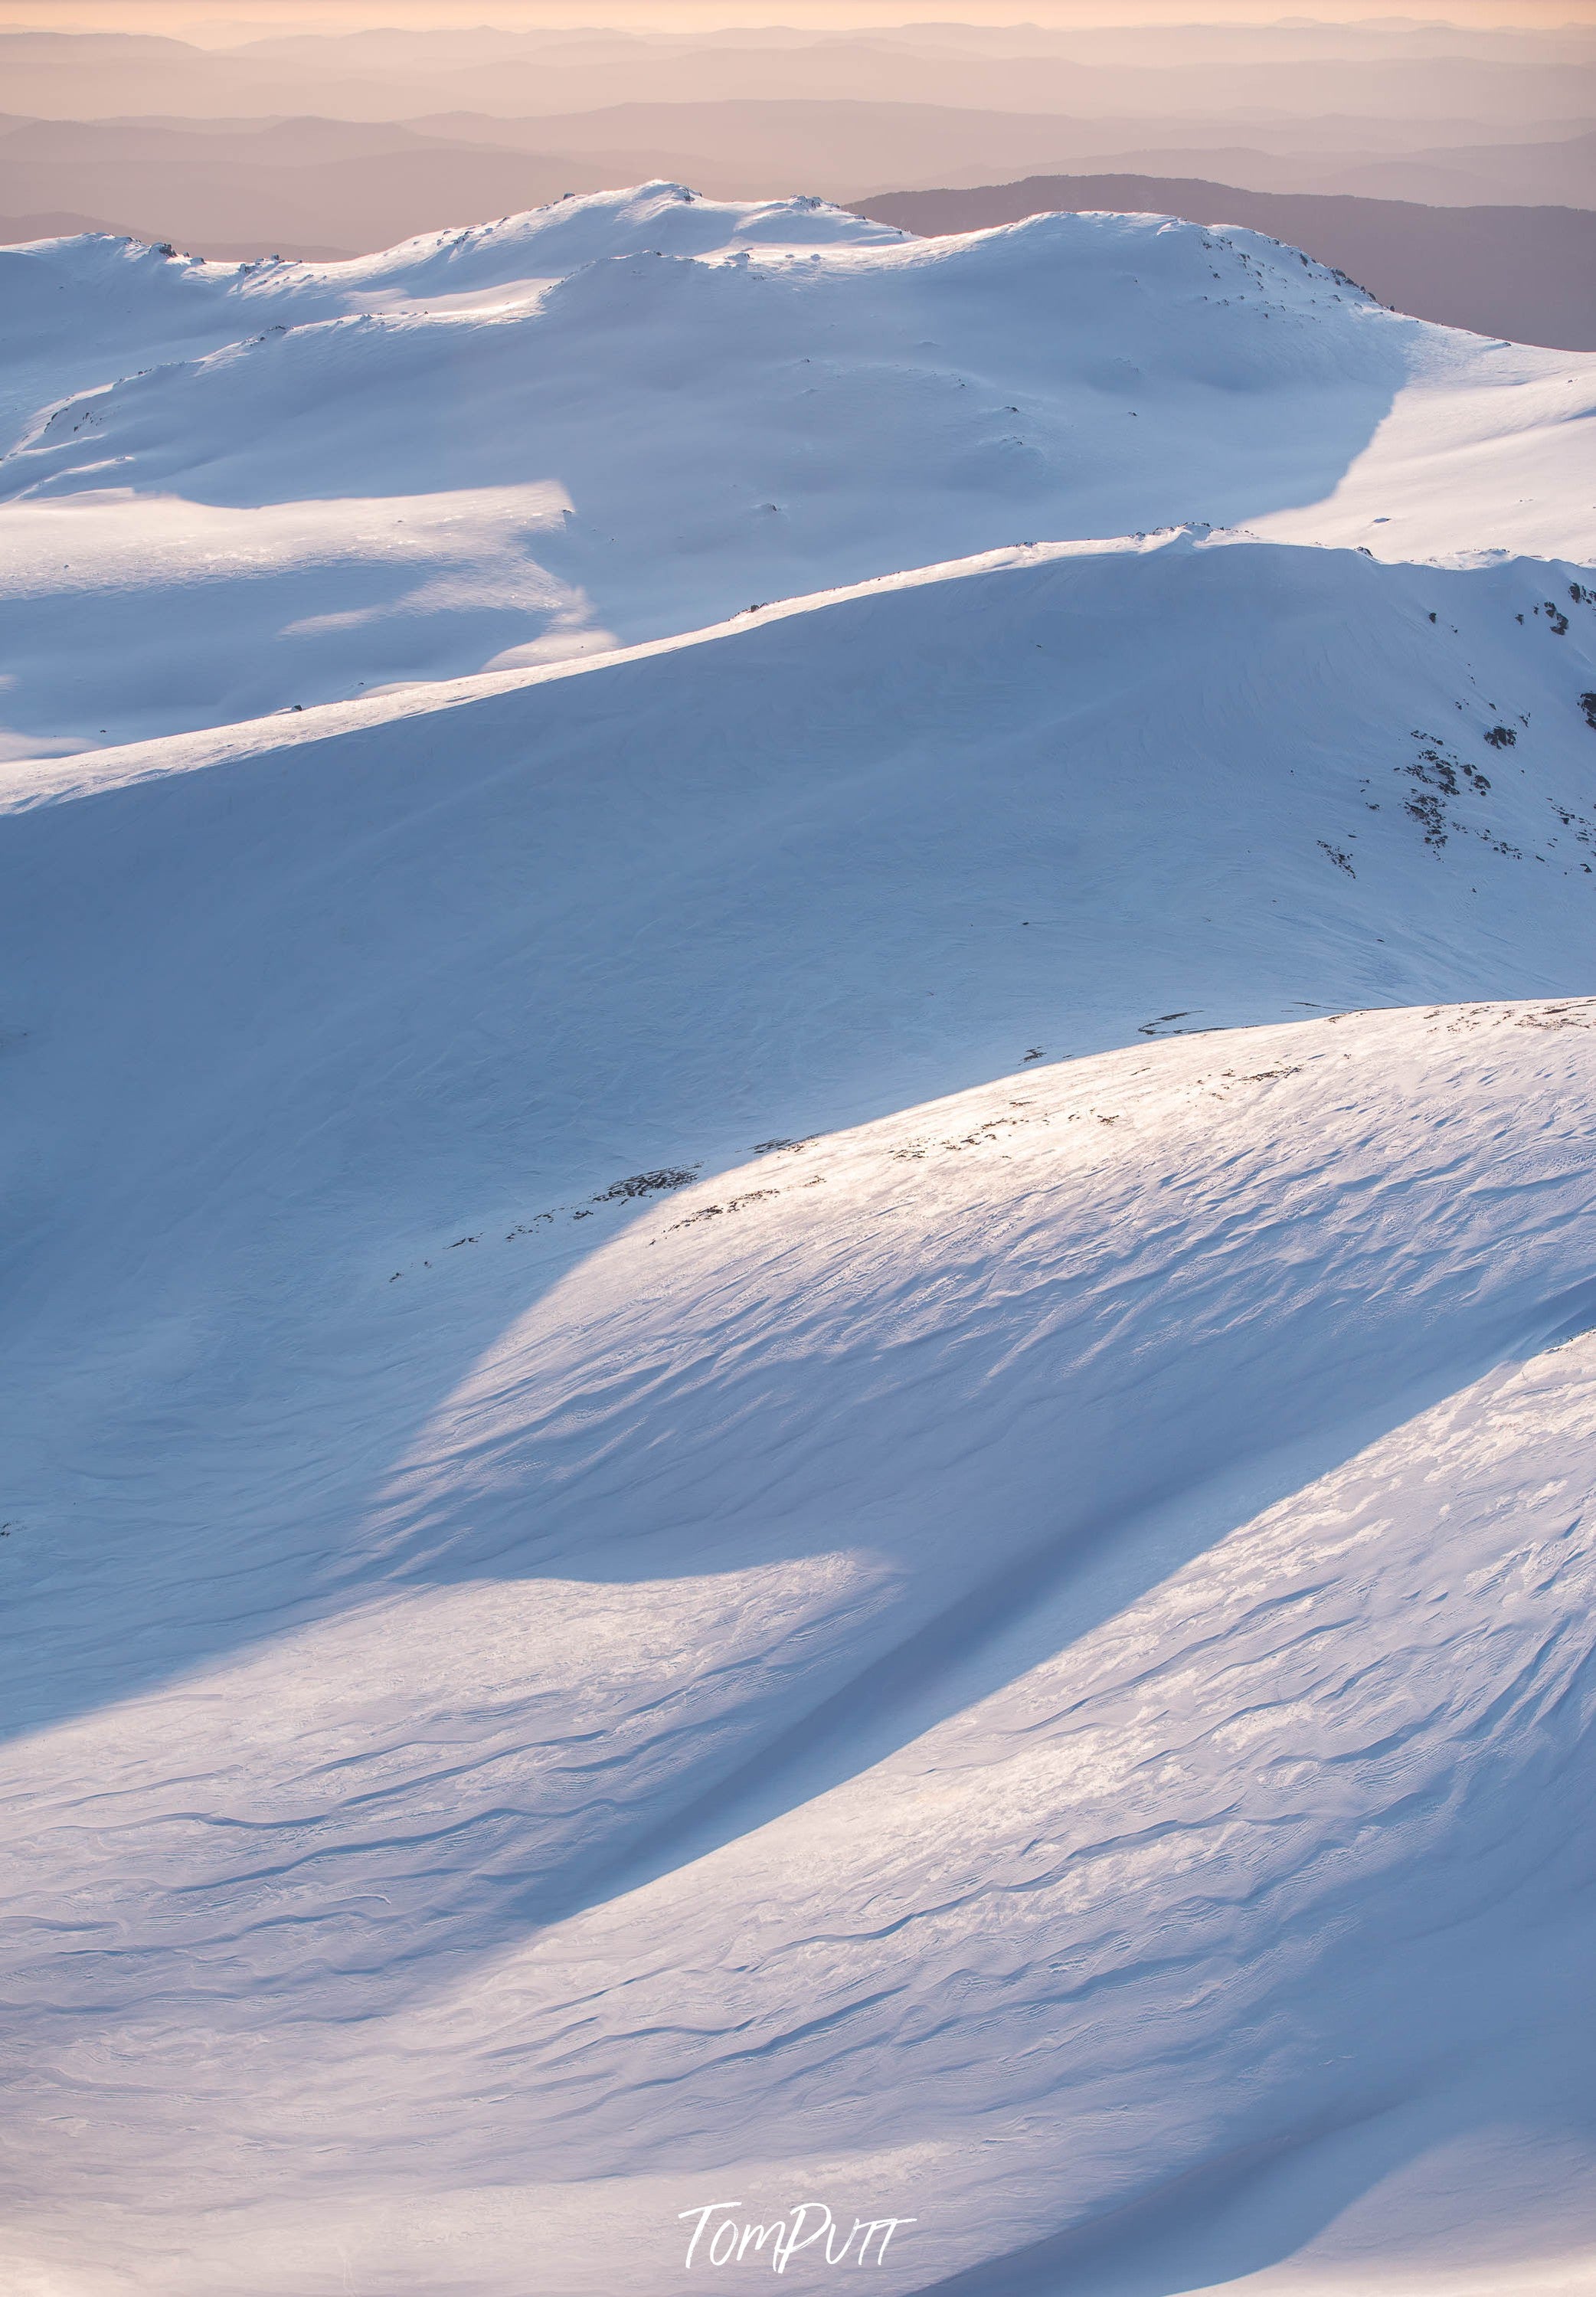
point(631, 415)
point(118, 291)
point(546, 243)
point(81, 311)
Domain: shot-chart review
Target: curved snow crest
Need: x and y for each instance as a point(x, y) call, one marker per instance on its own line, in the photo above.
point(944, 820)
point(1510, 583)
point(33, 781)
point(1002, 1660)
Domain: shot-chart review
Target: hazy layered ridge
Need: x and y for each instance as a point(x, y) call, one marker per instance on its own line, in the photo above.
point(1443, 74)
point(298, 185)
point(638, 413)
point(312, 141)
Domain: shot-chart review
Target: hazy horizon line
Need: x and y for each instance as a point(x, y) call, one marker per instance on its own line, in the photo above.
point(200, 21)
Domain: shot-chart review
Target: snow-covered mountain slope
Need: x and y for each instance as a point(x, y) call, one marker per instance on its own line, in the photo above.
point(231, 491)
point(1026, 1667)
point(810, 867)
point(800, 1397)
point(616, 1602)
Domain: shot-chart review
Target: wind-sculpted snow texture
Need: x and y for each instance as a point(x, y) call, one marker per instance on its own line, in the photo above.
point(801, 1416)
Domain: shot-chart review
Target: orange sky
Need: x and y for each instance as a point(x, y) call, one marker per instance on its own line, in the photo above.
point(218, 24)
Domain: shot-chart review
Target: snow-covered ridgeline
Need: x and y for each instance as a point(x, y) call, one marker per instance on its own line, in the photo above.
point(230, 488)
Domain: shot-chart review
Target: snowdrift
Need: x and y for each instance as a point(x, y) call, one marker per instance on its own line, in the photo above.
point(642, 1597)
point(235, 488)
point(1007, 1668)
point(799, 1329)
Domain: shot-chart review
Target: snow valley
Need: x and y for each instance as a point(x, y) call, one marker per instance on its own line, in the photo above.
point(799, 1111)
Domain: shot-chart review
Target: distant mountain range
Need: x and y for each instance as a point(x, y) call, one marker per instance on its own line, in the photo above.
point(314, 142)
point(1509, 83)
point(313, 186)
